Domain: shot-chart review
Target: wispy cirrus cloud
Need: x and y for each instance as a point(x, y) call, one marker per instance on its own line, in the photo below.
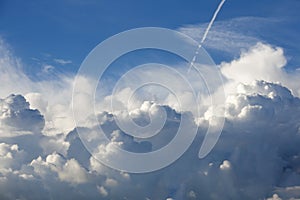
point(228, 38)
point(62, 61)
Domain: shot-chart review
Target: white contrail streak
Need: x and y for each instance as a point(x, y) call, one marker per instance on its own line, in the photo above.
point(212, 21)
point(206, 32)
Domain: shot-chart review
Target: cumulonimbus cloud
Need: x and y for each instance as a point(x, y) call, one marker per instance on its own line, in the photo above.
point(257, 154)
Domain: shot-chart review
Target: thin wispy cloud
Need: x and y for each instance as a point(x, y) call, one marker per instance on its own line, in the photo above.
point(230, 36)
point(62, 61)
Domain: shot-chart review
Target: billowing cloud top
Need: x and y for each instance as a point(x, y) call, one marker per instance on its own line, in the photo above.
point(17, 117)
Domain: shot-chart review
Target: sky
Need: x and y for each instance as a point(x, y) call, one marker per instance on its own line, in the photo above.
point(68, 30)
point(61, 131)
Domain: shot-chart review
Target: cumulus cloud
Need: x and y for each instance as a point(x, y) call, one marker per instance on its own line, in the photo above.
point(51, 97)
point(256, 157)
point(262, 62)
point(66, 170)
point(16, 117)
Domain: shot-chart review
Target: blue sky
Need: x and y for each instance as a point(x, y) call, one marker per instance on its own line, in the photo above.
point(41, 31)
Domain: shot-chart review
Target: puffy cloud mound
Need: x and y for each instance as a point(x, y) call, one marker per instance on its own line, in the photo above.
point(65, 170)
point(262, 62)
point(256, 157)
point(260, 140)
point(16, 116)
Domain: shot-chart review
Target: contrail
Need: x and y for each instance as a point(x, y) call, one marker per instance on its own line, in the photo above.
point(206, 32)
point(212, 21)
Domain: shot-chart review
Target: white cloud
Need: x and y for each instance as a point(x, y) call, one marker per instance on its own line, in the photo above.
point(48, 68)
point(60, 169)
point(17, 118)
point(55, 93)
point(102, 191)
point(13, 80)
point(230, 36)
point(262, 62)
point(257, 154)
point(62, 61)
point(274, 197)
point(10, 156)
point(72, 172)
point(225, 165)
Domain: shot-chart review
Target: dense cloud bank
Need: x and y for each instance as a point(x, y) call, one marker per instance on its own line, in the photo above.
point(256, 157)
